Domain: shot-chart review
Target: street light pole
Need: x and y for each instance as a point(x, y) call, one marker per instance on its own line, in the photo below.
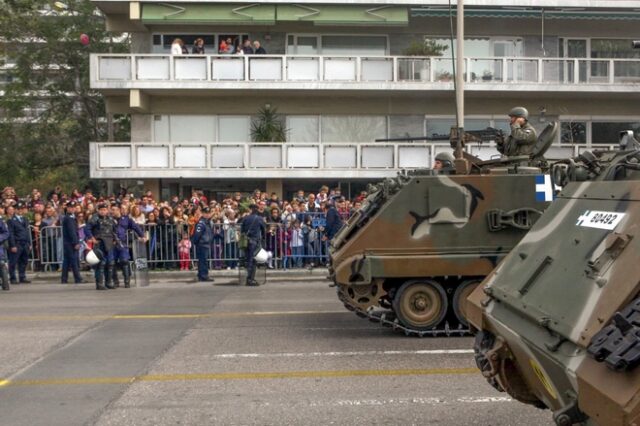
point(460, 64)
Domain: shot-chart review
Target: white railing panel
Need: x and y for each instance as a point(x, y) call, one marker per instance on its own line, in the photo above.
point(231, 156)
point(190, 157)
point(377, 70)
point(190, 68)
point(153, 157)
point(484, 152)
point(153, 68)
point(377, 157)
point(265, 69)
point(227, 68)
point(340, 157)
point(559, 152)
point(413, 157)
point(118, 68)
point(340, 69)
point(303, 69)
point(265, 156)
point(303, 157)
point(114, 157)
point(414, 69)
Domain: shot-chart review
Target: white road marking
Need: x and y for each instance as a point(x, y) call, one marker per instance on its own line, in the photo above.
point(409, 401)
point(338, 354)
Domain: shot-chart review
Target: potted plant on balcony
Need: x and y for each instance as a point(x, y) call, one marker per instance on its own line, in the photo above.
point(268, 126)
point(444, 76)
point(487, 75)
point(424, 47)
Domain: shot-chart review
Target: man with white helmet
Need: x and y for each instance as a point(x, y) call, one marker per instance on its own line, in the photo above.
point(523, 136)
point(101, 231)
point(254, 227)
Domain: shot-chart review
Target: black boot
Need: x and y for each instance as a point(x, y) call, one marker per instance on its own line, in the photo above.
point(114, 277)
point(108, 277)
point(126, 274)
point(100, 278)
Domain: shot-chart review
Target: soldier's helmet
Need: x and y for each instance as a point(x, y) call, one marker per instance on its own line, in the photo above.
point(446, 158)
point(519, 112)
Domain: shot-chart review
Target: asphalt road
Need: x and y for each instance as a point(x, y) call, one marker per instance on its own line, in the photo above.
point(202, 354)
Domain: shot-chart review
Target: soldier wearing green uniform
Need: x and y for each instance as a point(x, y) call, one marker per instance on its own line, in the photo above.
point(523, 136)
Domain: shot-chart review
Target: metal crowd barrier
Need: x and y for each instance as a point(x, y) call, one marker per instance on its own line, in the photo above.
point(292, 247)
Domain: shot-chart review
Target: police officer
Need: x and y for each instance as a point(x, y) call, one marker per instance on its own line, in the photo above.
point(202, 240)
point(334, 221)
point(443, 161)
point(101, 231)
point(254, 227)
point(70, 243)
point(124, 224)
point(19, 243)
point(4, 238)
point(523, 136)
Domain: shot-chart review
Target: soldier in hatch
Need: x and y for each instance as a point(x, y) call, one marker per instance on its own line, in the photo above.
point(523, 136)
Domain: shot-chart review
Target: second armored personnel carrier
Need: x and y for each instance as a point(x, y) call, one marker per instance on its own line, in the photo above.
point(423, 241)
point(558, 321)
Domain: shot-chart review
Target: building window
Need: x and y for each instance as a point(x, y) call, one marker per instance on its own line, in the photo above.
point(609, 132)
point(303, 128)
point(357, 45)
point(406, 126)
point(573, 132)
point(234, 128)
point(355, 128)
point(439, 128)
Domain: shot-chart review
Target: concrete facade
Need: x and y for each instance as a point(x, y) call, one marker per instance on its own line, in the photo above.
point(409, 108)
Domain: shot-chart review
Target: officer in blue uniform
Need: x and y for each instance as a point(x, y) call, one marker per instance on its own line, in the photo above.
point(70, 243)
point(124, 224)
point(254, 227)
point(202, 240)
point(4, 237)
point(101, 231)
point(19, 243)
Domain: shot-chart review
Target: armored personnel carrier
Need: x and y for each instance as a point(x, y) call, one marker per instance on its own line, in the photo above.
point(423, 241)
point(558, 320)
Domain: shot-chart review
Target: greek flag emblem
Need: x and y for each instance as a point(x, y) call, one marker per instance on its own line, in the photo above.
point(544, 188)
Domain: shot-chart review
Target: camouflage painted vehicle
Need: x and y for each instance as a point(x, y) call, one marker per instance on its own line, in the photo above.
point(423, 241)
point(559, 319)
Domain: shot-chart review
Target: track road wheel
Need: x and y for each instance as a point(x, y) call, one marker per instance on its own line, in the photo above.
point(459, 300)
point(420, 304)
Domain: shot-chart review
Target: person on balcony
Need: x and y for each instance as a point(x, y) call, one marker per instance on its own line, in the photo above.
point(246, 47)
point(257, 49)
point(198, 47)
point(177, 47)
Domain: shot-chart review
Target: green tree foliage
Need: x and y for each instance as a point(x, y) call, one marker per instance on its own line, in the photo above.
point(49, 113)
point(424, 47)
point(268, 126)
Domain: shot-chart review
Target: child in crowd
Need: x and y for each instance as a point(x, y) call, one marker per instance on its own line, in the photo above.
point(184, 251)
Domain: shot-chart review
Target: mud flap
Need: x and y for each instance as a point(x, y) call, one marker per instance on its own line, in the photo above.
point(140, 265)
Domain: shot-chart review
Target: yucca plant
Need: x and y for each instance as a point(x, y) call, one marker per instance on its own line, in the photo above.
point(268, 126)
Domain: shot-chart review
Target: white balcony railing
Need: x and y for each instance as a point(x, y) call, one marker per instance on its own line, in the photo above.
point(111, 70)
point(278, 160)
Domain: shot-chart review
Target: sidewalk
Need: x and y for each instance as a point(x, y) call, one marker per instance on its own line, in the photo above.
point(173, 275)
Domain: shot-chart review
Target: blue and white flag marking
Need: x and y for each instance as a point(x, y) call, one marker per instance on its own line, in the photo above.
point(544, 188)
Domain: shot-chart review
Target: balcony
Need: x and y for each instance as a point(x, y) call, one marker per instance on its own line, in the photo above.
point(289, 72)
point(344, 160)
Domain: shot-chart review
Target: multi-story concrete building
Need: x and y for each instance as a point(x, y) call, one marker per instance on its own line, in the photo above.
point(339, 74)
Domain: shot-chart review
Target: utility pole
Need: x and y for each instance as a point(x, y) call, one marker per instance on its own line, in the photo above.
point(461, 164)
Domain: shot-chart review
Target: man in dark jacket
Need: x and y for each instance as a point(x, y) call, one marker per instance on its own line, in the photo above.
point(101, 231)
point(19, 243)
point(334, 222)
point(4, 238)
point(202, 240)
point(254, 227)
point(124, 224)
point(70, 243)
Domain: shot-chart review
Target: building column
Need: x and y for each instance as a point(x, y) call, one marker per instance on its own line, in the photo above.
point(275, 185)
point(152, 185)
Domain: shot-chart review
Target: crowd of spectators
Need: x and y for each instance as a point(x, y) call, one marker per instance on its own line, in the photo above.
point(295, 228)
point(228, 46)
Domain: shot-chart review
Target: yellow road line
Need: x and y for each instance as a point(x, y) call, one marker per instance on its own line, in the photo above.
point(159, 316)
point(237, 376)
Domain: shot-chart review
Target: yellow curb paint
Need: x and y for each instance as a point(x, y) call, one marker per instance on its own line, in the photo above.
point(161, 316)
point(237, 376)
